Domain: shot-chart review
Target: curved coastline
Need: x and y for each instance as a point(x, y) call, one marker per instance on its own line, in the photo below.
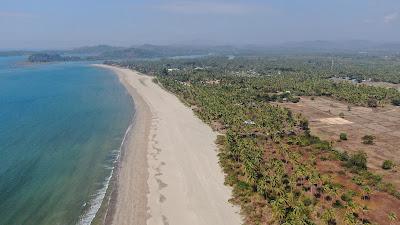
point(168, 171)
point(129, 180)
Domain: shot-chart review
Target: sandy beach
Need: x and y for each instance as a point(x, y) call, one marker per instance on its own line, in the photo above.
point(169, 173)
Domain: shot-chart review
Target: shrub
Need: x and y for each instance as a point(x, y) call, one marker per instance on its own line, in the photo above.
point(164, 72)
point(220, 140)
point(358, 161)
point(389, 188)
point(294, 99)
point(307, 140)
point(323, 145)
point(368, 139)
point(387, 165)
point(372, 102)
point(358, 180)
point(392, 216)
point(341, 115)
point(337, 204)
point(343, 136)
point(307, 201)
point(347, 197)
point(304, 124)
point(371, 178)
point(342, 156)
point(396, 101)
point(243, 185)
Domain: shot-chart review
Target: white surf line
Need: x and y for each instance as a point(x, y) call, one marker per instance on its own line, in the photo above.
point(97, 201)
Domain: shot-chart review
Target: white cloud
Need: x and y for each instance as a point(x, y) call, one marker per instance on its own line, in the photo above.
point(192, 7)
point(391, 17)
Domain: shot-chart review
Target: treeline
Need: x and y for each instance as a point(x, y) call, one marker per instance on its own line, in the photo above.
point(301, 76)
point(358, 67)
point(47, 57)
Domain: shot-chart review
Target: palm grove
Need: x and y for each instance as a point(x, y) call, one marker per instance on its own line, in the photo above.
point(280, 173)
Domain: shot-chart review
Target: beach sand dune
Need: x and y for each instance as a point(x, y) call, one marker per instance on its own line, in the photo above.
point(169, 172)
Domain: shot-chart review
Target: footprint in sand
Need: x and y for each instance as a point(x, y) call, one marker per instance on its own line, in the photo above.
point(165, 220)
point(162, 198)
point(161, 184)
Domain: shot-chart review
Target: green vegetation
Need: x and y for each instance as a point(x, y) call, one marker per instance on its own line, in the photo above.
point(392, 217)
point(368, 139)
point(357, 161)
point(276, 167)
point(46, 57)
point(272, 77)
point(343, 136)
point(372, 102)
point(387, 165)
point(396, 101)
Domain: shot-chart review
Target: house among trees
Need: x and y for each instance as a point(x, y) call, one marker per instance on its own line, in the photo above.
point(249, 122)
point(172, 69)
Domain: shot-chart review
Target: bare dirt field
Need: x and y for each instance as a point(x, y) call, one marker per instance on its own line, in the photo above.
point(327, 121)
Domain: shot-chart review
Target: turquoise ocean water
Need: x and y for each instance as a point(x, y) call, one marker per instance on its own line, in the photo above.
point(61, 127)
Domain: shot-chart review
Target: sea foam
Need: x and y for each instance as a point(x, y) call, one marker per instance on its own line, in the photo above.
point(97, 200)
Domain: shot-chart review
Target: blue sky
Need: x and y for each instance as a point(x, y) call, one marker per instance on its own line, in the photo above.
point(71, 23)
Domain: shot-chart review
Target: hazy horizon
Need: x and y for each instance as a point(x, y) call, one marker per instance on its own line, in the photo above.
point(64, 24)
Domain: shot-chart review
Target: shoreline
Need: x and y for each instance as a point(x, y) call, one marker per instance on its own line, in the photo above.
point(105, 213)
point(132, 164)
point(168, 172)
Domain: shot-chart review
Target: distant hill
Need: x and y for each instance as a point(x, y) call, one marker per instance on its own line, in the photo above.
point(94, 50)
point(148, 51)
point(157, 51)
point(350, 46)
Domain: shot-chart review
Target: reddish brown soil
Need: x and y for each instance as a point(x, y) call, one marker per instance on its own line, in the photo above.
point(383, 123)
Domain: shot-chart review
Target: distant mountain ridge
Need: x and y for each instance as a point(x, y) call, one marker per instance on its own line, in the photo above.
point(107, 52)
point(147, 51)
point(340, 46)
point(97, 49)
point(152, 51)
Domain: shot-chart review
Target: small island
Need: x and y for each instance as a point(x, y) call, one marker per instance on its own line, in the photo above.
point(48, 57)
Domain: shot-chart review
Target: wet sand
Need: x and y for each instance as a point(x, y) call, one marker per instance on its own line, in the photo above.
point(169, 172)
